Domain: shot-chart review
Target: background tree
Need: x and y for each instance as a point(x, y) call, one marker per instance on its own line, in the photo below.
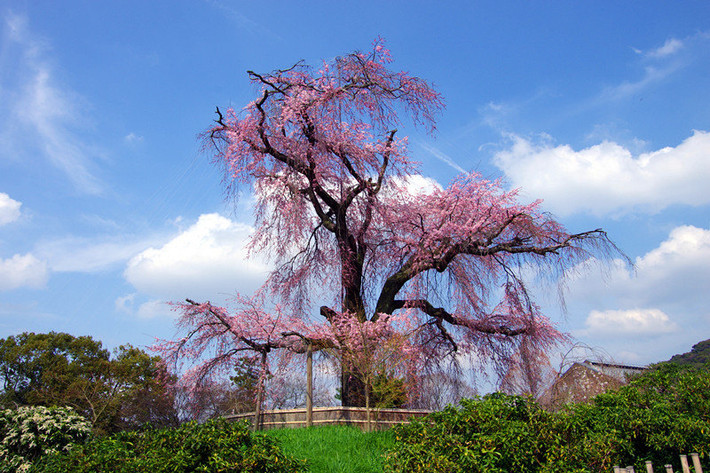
point(38, 369)
point(220, 397)
point(698, 356)
point(58, 369)
point(338, 212)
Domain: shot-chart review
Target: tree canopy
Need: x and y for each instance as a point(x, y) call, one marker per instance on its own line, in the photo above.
point(339, 212)
point(697, 356)
point(58, 369)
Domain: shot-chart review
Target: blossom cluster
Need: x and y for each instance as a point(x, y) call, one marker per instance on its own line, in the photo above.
point(30, 432)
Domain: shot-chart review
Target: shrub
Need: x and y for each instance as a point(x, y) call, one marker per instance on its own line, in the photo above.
point(496, 433)
point(656, 417)
point(30, 432)
point(210, 447)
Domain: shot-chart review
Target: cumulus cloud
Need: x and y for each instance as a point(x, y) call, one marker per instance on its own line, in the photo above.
point(607, 178)
point(631, 322)
point(678, 270)
point(22, 271)
point(9, 209)
point(686, 246)
point(34, 104)
point(667, 292)
point(416, 184)
point(205, 261)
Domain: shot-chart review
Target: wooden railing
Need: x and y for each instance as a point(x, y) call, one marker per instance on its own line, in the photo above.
point(375, 419)
point(669, 468)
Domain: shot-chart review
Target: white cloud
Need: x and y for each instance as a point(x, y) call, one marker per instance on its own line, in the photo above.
point(658, 64)
point(33, 104)
point(677, 271)
point(9, 209)
point(205, 261)
point(155, 308)
point(629, 323)
point(667, 294)
point(125, 303)
point(671, 46)
point(22, 271)
point(687, 246)
point(607, 178)
point(416, 184)
point(147, 310)
point(132, 138)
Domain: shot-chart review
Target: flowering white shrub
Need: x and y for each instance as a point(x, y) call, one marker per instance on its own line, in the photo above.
point(29, 432)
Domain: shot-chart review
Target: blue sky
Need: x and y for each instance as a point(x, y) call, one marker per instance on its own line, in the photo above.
point(108, 207)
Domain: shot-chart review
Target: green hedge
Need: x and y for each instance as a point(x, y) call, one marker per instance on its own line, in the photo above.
point(215, 446)
point(658, 416)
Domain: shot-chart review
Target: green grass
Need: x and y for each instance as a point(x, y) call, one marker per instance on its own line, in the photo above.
point(338, 449)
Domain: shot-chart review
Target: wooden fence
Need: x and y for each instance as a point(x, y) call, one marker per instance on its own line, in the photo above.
point(668, 468)
point(375, 419)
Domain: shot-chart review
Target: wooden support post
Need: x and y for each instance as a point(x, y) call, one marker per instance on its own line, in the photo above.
point(309, 385)
point(696, 463)
point(669, 468)
point(649, 466)
point(684, 463)
point(257, 424)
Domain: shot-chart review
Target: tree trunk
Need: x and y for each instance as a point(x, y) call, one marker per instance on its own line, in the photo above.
point(257, 423)
point(309, 385)
point(352, 389)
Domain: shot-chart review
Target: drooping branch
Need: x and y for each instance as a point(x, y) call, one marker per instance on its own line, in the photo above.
point(340, 214)
point(417, 264)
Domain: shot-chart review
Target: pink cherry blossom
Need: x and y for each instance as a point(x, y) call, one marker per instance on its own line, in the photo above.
point(438, 272)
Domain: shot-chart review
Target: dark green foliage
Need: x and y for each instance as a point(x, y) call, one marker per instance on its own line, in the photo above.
point(496, 433)
point(37, 369)
point(215, 446)
point(388, 391)
point(697, 356)
point(58, 369)
point(658, 416)
point(245, 382)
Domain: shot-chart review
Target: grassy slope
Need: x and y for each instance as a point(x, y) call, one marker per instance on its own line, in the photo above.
point(335, 448)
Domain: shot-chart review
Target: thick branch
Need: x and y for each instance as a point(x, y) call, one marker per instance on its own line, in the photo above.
point(416, 265)
point(439, 313)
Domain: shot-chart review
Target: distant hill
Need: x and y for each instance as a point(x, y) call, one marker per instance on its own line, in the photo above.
point(698, 355)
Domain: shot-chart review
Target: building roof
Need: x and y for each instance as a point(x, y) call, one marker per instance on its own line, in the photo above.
point(584, 380)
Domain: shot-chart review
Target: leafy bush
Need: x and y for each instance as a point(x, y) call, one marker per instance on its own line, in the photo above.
point(497, 433)
point(30, 432)
point(658, 416)
point(210, 447)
